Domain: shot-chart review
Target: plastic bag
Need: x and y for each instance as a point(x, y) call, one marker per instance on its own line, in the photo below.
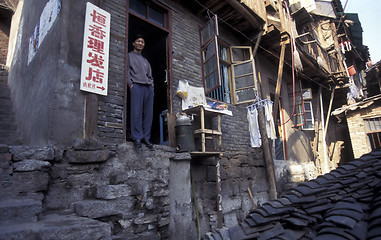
point(182, 89)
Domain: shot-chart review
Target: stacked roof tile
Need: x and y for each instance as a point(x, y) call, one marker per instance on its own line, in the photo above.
point(342, 204)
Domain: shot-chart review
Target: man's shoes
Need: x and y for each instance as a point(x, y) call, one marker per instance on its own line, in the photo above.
point(138, 145)
point(148, 143)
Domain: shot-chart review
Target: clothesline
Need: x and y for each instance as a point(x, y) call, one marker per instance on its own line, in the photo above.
point(259, 103)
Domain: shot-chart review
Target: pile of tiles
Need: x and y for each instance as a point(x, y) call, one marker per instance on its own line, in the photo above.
point(342, 204)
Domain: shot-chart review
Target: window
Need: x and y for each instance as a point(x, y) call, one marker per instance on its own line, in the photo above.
point(373, 130)
point(148, 12)
point(297, 109)
point(243, 71)
point(228, 72)
point(222, 92)
point(309, 116)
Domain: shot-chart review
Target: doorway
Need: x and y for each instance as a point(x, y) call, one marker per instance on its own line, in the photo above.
point(155, 51)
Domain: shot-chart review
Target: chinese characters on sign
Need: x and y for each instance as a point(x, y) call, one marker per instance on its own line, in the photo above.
point(94, 71)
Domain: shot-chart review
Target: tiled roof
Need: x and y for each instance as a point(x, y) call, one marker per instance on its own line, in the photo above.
point(342, 204)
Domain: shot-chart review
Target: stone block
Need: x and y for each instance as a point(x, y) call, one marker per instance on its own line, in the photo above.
point(103, 208)
point(30, 181)
point(31, 165)
point(4, 148)
point(87, 145)
point(230, 204)
point(19, 210)
point(211, 174)
point(112, 191)
point(32, 152)
point(97, 156)
point(5, 157)
point(230, 219)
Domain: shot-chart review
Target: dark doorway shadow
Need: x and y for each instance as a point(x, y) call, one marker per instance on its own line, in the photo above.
point(155, 51)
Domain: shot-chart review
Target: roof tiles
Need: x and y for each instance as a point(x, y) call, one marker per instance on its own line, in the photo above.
point(343, 204)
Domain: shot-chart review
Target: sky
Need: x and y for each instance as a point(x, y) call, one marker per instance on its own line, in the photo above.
point(369, 12)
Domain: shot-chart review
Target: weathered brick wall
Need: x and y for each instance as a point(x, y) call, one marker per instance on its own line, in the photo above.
point(110, 107)
point(242, 167)
point(357, 131)
point(240, 171)
point(4, 39)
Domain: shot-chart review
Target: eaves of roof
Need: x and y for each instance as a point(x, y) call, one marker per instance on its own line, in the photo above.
point(362, 104)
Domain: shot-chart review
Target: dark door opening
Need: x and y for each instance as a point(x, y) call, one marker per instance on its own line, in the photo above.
point(155, 51)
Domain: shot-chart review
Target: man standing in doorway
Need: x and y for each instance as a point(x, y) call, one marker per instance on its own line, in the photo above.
point(140, 82)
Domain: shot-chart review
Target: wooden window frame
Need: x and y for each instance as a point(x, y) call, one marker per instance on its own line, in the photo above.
point(373, 131)
point(301, 114)
point(236, 62)
point(307, 99)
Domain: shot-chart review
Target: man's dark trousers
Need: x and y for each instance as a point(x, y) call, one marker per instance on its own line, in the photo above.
point(141, 111)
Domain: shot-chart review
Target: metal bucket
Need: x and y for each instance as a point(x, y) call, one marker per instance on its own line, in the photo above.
point(184, 134)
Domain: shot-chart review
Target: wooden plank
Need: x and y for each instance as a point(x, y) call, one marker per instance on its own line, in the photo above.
point(208, 131)
point(91, 116)
point(171, 121)
point(202, 120)
point(246, 14)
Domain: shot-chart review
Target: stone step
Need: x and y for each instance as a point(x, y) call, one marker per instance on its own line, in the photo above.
point(10, 140)
point(3, 79)
point(19, 211)
point(57, 226)
point(5, 92)
point(7, 118)
point(6, 111)
point(8, 126)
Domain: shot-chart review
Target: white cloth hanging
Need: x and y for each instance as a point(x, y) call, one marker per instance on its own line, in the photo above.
point(270, 126)
point(255, 135)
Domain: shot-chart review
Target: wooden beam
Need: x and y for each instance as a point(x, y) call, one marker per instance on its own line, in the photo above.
point(266, 144)
point(245, 13)
point(91, 116)
point(316, 128)
point(279, 79)
point(329, 110)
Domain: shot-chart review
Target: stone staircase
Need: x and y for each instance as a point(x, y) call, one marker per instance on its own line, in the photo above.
point(84, 192)
point(8, 128)
point(24, 181)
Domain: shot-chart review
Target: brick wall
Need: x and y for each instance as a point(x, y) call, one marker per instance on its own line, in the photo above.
point(110, 107)
point(357, 131)
point(4, 39)
point(242, 167)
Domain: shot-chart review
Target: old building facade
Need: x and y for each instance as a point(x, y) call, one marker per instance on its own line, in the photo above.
point(239, 52)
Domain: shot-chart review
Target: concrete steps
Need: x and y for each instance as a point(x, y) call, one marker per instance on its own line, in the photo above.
point(9, 133)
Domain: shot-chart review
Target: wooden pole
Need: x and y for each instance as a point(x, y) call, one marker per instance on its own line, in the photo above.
point(266, 147)
point(279, 79)
point(267, 153)
point(329, 111)
point(325, 166)
point(219, 196)
point(316, 128)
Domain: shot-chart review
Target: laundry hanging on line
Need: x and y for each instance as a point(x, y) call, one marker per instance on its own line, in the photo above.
point(252, 116)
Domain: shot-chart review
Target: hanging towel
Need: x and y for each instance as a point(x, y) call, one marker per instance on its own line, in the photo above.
point(255, 136)
point(270, 126)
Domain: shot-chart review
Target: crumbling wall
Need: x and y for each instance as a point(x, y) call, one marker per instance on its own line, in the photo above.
point(357, 130)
